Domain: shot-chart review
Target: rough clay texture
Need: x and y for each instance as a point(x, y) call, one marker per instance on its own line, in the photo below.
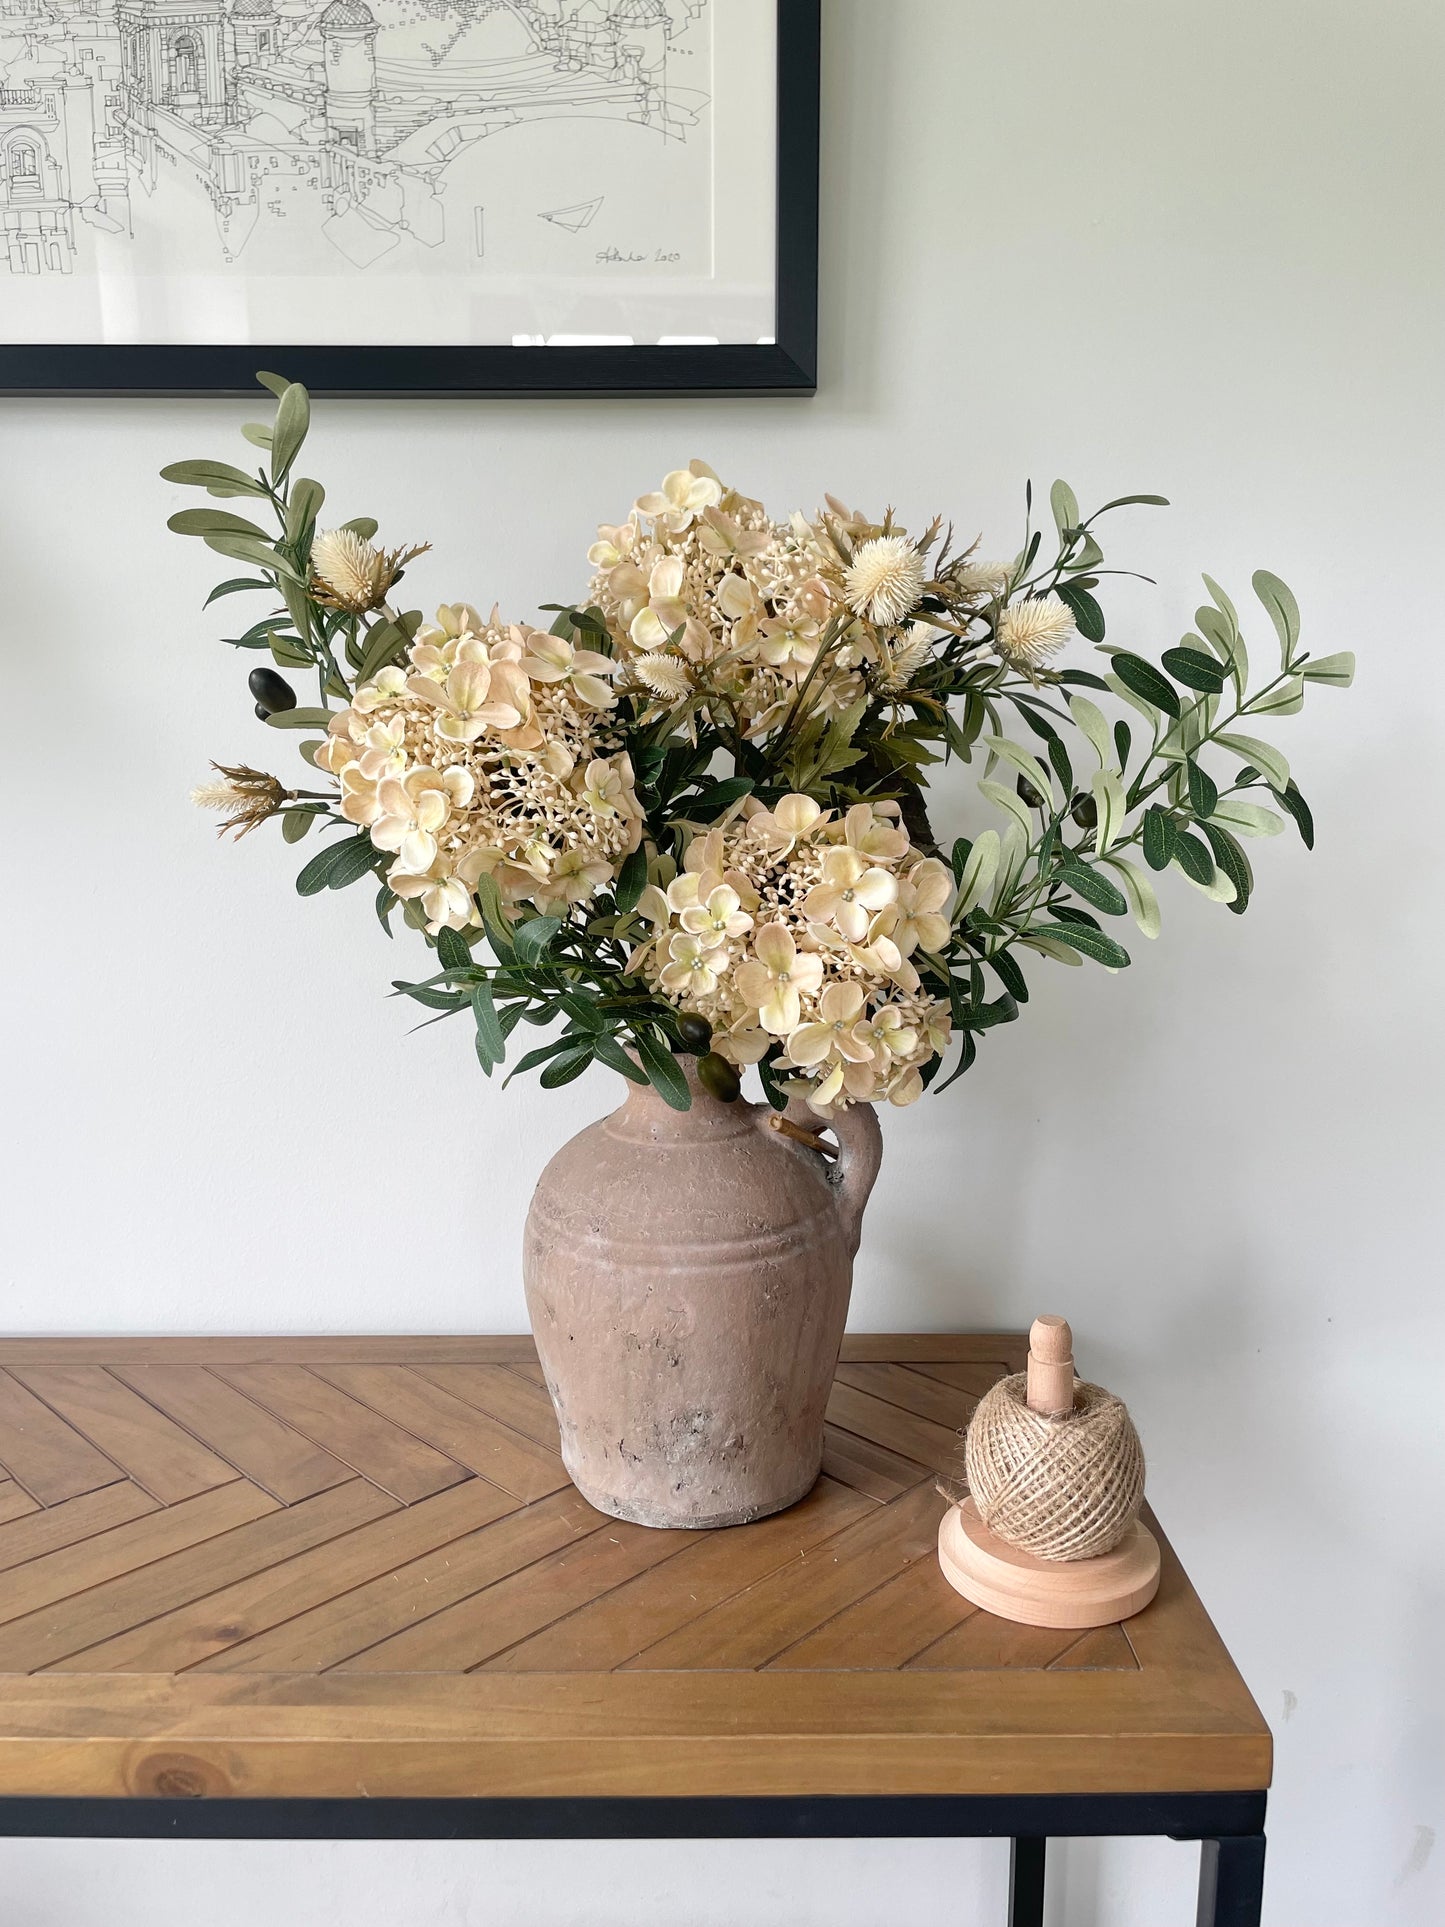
point(687, 1277)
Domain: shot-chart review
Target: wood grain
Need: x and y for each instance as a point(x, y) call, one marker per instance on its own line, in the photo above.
point(335, 1566)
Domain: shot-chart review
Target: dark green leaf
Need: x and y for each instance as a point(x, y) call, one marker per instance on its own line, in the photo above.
point(1093, 888)
point(1229, 855)
point(1005, 967)
point(543, 1054)
point(1294, 805)
point(350, 861)
point(491, 1043)
point(564, 1067)
point(1194, 858)
point(1088, 942)
point(967, 1052)
point(386, 902)
point(962, 846)
point(1123, 742)
point(663, 1072)
point(1081, 679)
point(1003, 1010)
point(1203, 790)
point(453, 949)
point(1159, 838)
point(533, 939)
point(611, 1053)
point(313, 877)
point(431, 998)
point(1062, 767)
point(631, 880)
point(1194, 669)
point(1146, 681)
point(1087, 613)
point(773, 1091)
point(719, 797)
point(234, 586)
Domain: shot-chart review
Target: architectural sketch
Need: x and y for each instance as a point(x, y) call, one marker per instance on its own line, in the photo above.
point(326, 135)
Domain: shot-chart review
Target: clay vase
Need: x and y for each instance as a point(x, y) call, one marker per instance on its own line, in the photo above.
point(687, 1278)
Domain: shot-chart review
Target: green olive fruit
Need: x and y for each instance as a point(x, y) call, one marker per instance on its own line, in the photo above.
point(719, 1078)
point(695, 1032)
point(272, 692)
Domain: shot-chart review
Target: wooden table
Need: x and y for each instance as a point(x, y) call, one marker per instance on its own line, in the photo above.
point(343, 1588)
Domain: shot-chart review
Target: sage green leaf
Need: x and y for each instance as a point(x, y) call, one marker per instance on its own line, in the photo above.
point(212, 522)
point(295, 824)
point(1065, 505)
point(303, 506)
point(979, 871)
point(1266, 759)
point(1029, 767)
point(1112, 805)
point(277, 384)
point(533, 939)
point(1283, 611)
point(494, 917)
point(293, 418)
point(245, 548)
point(300, 718)
point(363, 525)
point(1286, 700)
point(1139, 892)
point(287, 651)
point(1093, 888)
point(1216, 885)
point(1084, 938)
point(1129, 501)
point(1223, 602)
point(217, 478)
point(1092, 723)
point(1008, 801)
point(1338, 671)
point(1014, 846)
point(257, 433)
point(236, 585)
point(1147, 710)
point(1249, 819)
point(663, 1073)
point(307, 752)
point(1216, 632)
point(385, 640)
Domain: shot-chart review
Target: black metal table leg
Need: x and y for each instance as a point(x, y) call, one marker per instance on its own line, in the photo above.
point(1026, 1881)
point(1231, 1881)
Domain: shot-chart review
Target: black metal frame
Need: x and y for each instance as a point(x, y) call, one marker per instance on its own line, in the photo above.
point(1229, 1827)
point(788, 366)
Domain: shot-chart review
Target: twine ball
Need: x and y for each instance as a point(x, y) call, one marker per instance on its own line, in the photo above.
point(1059, 1488)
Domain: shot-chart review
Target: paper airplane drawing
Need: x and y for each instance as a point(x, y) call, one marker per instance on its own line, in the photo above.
point(573, 218)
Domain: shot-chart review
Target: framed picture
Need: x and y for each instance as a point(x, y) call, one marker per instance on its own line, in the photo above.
point(408, 197)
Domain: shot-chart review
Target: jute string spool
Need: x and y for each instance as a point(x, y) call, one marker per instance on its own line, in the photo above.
point(1060, 1488)
point(1049, 1533)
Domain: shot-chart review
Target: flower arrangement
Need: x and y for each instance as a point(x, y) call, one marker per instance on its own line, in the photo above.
point(692, 815)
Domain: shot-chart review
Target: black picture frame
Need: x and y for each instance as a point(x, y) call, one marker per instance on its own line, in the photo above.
point(787, 365)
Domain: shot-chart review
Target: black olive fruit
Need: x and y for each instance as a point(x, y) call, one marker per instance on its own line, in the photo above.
point(718, 1077)
point(272, 692)
point(1029, 794)
point(1085, 812)
point(695, 1032)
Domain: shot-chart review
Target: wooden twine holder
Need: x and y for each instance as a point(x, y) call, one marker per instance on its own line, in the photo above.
point(1072, 1593)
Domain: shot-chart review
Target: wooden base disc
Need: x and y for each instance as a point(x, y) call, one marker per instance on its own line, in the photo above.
point(1046, 1592)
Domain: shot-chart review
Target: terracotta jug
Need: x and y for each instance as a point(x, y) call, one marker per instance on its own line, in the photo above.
point(687, 1277)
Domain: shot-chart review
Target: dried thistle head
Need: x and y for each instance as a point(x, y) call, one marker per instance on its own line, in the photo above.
point(245, 796)
point(352, 574)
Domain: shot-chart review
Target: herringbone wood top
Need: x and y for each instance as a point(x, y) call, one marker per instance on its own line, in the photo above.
point(335, 1566)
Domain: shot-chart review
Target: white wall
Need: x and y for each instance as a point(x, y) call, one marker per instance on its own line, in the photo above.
point(1187, 248)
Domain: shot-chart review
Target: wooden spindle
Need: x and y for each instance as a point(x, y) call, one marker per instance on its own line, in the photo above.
point(1051, 1367)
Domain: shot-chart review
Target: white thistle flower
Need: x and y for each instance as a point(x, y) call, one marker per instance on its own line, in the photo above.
point(906, 658)
point(1031, 631)
point(982, 578)
point(665, 676)
point(352, 574)
point(885, 579)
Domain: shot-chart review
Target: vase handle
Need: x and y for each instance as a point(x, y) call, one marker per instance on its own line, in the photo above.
point(860, 1152)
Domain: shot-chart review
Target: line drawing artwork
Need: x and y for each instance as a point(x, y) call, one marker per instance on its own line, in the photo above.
point(323, 137)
